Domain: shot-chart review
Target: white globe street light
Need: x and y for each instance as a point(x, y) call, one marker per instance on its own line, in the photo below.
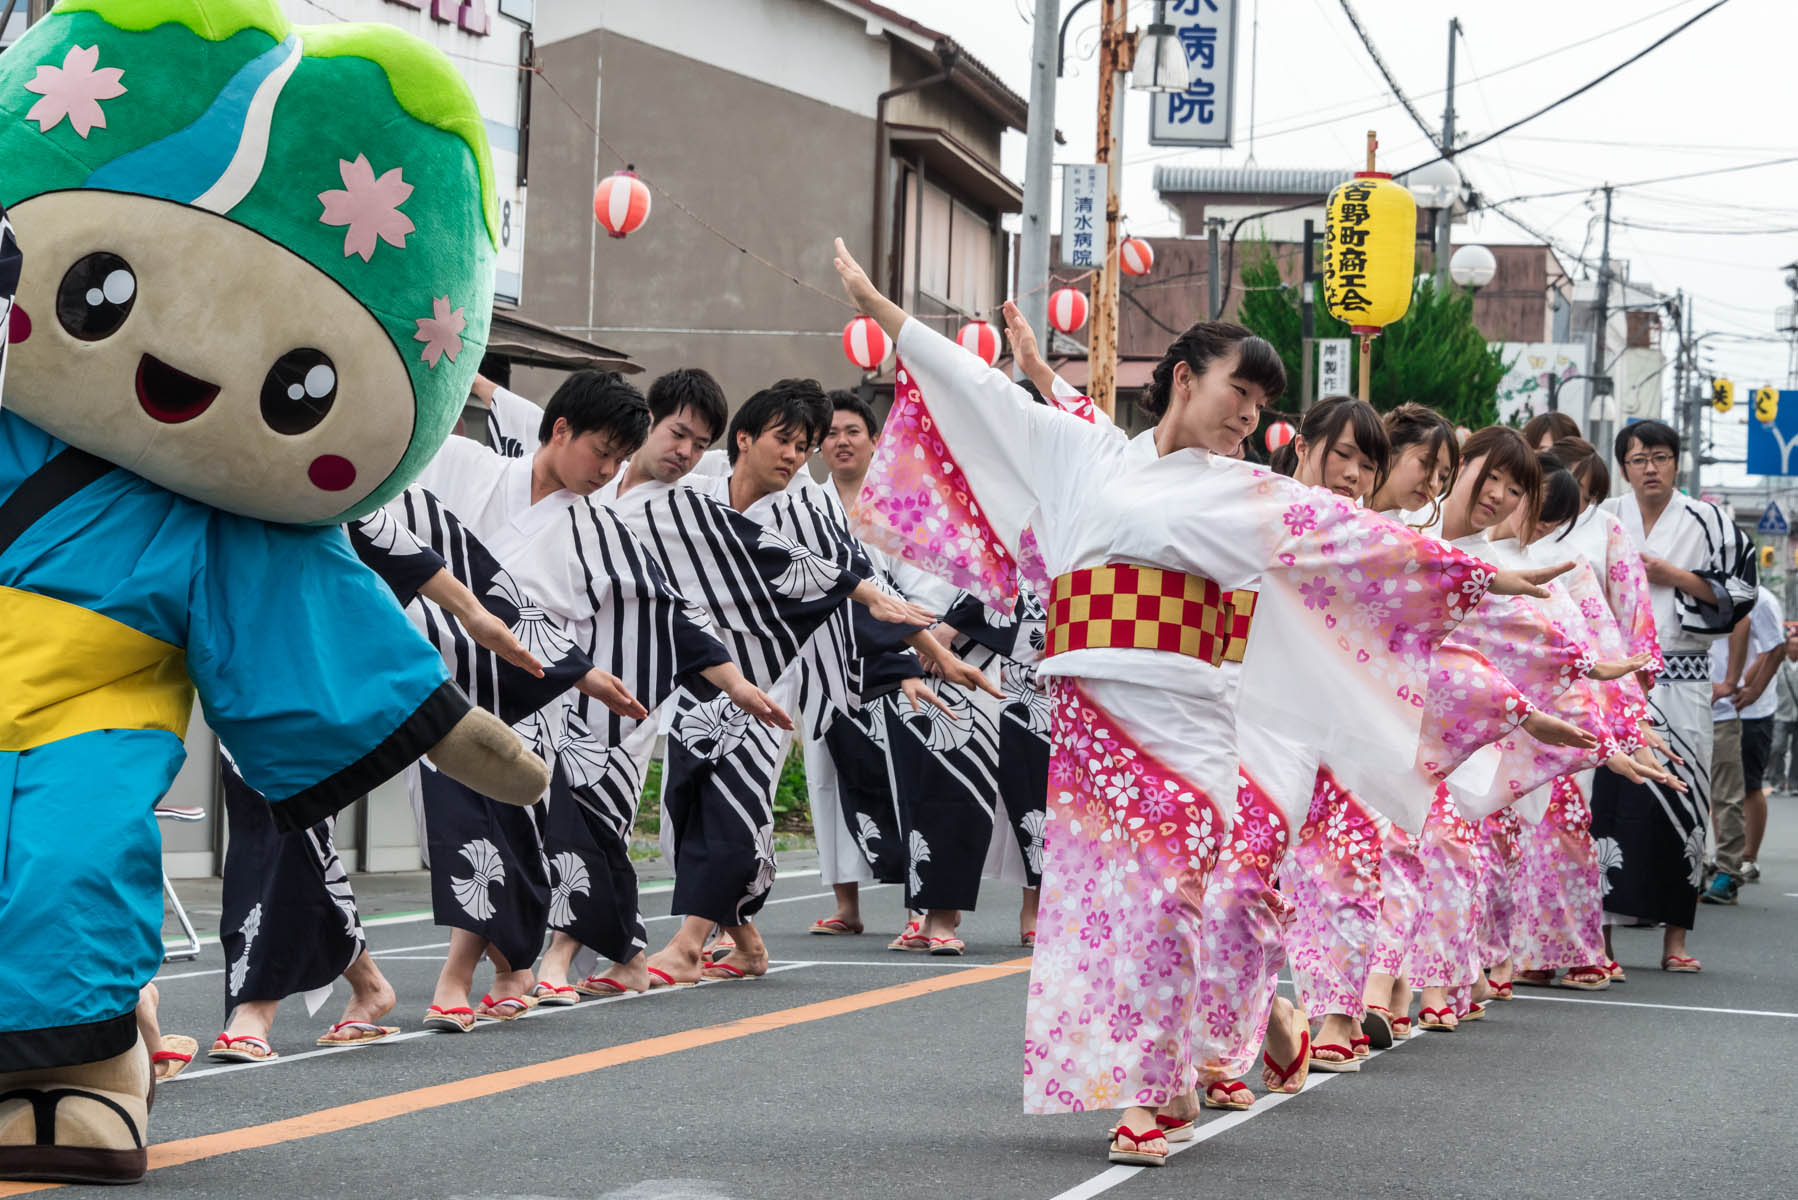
point(1435, 185)
point(1472, 266)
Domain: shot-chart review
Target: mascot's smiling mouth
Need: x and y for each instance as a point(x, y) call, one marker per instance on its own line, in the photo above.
point(169, 395)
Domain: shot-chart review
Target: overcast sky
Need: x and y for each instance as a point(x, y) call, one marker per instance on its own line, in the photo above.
point(1712, 97)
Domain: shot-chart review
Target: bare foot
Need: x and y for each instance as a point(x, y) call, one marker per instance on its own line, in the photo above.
point(1336, 1030)
point(507, 984)
point(1504, 972)
point(1184, 1107)
point(253, 1018)
point(1287, 1033)
point(679, 963)
point(749, 957)
point(632, 976)
point(371, 996)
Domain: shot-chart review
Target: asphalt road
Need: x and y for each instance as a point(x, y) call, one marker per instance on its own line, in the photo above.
point(859, 1072)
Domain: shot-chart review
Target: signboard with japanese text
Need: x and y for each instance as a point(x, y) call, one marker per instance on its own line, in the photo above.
point(1533, 370)
point(1082, 214)
point(1773, 433)
point(1203, 114)
point(1335, 365)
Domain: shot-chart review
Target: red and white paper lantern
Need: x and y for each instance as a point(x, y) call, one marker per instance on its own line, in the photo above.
point(1136, 256)
point(981, 340)
point(622, 203)
point(1067, 309)
point(1278, 434)
point(866, 343)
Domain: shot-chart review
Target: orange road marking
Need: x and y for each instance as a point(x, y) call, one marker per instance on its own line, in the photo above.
point(382, 1108)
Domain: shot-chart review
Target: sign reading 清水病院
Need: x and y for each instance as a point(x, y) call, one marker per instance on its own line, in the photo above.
point(1203, 114)
point(1082, 214)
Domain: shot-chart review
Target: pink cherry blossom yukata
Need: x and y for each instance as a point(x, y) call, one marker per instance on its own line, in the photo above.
point(1143, 782)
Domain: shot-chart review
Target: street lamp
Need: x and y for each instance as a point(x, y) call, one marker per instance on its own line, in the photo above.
point(1435, 186)
point(1472, 267)
point(1167, 71)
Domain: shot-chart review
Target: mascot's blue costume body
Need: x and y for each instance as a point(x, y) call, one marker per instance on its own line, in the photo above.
point(246, 278)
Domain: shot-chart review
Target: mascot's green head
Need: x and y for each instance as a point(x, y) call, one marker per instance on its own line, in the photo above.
point(258, 257)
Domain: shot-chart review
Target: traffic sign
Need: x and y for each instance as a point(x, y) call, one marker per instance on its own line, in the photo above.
point(1773, 434)
point(1773, 522)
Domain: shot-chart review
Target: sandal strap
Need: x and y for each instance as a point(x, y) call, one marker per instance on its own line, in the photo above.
point(1137, 1139)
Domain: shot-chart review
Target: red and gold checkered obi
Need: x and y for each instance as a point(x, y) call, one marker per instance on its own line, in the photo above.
point(1146, 608)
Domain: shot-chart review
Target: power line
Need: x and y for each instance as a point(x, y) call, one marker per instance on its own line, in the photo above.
point(1704, 230)
point(1583, 88)
point(1753, 166)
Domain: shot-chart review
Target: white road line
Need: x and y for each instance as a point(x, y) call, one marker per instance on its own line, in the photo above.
point(535, 1013)
point(1697, 1008)
point(656, 889)
point(1109, 1178)
point(397, 950)
point(379, 953)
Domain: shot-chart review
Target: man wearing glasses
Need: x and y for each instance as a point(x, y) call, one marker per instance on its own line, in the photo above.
point(1700, 568)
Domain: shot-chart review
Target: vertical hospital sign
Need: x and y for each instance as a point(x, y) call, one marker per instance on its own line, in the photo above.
point(1203, 114)
point(1083, 192)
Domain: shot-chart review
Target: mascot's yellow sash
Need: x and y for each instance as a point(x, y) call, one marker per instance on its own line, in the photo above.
point(70, 670)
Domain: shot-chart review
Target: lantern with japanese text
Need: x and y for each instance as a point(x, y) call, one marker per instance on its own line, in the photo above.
point(981, 340)
point(1136, 256)
point(621, 203)
point(1067, 309)
point(866, 343)
point(1278, 434)
point(1370, 256)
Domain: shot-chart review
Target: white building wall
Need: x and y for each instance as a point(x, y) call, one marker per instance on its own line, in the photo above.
point(806, 46)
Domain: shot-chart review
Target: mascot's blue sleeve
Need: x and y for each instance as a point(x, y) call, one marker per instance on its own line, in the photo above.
point(308, 671)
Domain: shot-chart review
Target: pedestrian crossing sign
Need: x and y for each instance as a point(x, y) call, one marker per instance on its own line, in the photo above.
point(1773, 522)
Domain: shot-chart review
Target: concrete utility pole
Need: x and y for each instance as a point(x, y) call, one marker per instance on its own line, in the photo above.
point(1307, 323)
point(1679, 363)
point(1694, 410)
point(1214, 271)
point(1117, 49)
point(1039, 173)
point(1445, 223)
point(1604, 388)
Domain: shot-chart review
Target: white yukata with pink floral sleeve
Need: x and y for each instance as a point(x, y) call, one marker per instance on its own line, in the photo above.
point(1143, 780)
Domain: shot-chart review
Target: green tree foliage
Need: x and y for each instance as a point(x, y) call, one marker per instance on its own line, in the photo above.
point(1434, 355)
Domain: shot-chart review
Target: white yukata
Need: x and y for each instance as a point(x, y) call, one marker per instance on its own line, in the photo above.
point(1143, 779)
point(1651, 839)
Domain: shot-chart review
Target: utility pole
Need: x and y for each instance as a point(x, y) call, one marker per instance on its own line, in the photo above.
point(1679, 359)
point(1214, 271)
point(1307, 323)
point(1447, 220)
point(1603, 387)
point(1039, 173)
point(1117, 50)
point(1694, 410)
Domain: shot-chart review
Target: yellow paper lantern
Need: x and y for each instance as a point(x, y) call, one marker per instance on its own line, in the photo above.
point(1370, 252)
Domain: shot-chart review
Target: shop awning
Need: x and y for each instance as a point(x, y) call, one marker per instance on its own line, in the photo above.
point(529, 344)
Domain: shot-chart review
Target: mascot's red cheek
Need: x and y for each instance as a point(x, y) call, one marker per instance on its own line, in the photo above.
point(18, 326)
point(331, 473)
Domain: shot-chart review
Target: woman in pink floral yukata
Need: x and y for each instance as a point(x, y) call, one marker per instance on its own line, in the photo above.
point(1143, 537)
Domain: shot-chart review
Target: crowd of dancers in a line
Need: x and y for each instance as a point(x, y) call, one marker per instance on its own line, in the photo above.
point(1405, 714)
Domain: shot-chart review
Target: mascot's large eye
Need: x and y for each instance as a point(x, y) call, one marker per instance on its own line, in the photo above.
point(96, 296)
point(298, 390)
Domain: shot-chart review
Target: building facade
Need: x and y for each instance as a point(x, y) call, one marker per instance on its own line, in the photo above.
point(769, 125)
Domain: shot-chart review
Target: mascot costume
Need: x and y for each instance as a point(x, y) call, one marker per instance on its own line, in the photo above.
point(253, 273)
